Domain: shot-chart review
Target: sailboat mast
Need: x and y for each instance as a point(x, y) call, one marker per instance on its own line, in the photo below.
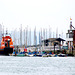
point(3, 29)
point(49, 32)
point(35, 36)
point(57, 33)
point(0, 33)
point(14, 38)
point(24, 37)
point(30, 36)
point(41, 40)
point(46, 33)
point(43, 37)
point(21, 36)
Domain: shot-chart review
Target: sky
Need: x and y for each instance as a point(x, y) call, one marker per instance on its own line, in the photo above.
point(37, 13)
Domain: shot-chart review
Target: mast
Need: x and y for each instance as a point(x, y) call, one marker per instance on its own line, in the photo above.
point(71, 26)
point(3, 29)
point(46, 33)
point(41, 33)
point(35, 36)
point(57, 33)
point(43, 37)
point(30, 36)
point(14, 38)
point(40, 37)
point(41, 41)
point(35, 39)
point(0, 33)
point(49, 31)
point(62, 34)
point(21, 36)
point(24, 37)
point(53, 34)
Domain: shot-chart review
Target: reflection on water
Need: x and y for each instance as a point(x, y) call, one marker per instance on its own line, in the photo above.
point(10, 65)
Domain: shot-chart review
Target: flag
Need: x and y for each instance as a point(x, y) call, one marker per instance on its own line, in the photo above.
point(70, 18)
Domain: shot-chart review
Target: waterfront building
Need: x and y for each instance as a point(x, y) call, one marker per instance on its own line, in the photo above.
point(70, 36)
point(48, 44)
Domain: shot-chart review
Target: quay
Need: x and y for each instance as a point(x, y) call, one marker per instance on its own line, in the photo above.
point(46, 46)
point(55, 45)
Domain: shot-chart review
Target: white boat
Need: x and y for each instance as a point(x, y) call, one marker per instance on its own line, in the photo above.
point(31, 55)
point(61, 55)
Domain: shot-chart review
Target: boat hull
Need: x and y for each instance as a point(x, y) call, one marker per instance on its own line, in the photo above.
point(1, 51)
point(6, 51)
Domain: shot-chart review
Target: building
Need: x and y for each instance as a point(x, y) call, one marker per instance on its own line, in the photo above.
point(70, 36)
point(48, 44)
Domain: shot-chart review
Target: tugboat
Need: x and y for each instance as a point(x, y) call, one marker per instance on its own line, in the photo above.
point(6, 47)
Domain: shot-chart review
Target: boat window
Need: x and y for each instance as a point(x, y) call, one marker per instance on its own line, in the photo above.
point(70, 35)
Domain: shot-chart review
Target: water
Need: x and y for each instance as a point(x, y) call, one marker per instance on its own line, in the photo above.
point(11, 65)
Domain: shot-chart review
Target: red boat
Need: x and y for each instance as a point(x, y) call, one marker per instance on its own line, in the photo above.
point(6, 47)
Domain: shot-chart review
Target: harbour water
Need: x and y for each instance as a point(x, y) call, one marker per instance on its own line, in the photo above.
point(11, 65)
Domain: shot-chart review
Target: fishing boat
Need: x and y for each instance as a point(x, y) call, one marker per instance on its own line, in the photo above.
point(6, 47)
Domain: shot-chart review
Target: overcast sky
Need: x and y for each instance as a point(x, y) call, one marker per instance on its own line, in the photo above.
point(39, 13)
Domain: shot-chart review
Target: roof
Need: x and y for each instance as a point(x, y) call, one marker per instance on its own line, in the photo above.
point(54, 39)
point(60, 39)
